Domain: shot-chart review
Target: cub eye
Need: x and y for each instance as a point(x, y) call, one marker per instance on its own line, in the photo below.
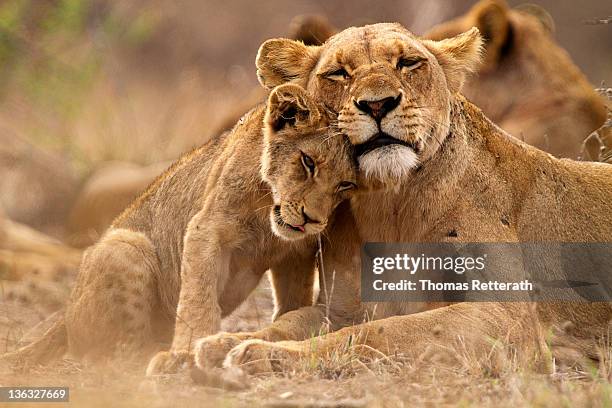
point(345, 186)
point(338, 75)
point(410, 63)
point(308, 163)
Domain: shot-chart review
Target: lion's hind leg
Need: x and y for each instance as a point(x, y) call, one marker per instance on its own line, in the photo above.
point(112, 305)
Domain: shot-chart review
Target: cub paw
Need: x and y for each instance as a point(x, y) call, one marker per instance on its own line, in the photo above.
point(210, 351)
point(262, 357)
point(167, 362)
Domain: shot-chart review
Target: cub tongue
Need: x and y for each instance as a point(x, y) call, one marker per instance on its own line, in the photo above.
point(298, 227)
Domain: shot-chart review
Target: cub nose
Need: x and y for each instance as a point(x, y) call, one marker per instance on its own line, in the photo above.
point(378, 109)
point(308, 219)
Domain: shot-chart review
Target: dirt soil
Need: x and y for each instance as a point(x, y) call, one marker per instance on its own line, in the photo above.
point(392, 383)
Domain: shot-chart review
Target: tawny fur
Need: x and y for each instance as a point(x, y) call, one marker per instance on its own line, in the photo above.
point(112, 188)
point(528, 85)
point(190, 249)
point(51, 183)
point(26, 254)
point(474, 179)
point(105, 194)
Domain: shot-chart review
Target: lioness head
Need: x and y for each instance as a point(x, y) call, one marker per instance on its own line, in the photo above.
point(308, 164)
point(392, 91)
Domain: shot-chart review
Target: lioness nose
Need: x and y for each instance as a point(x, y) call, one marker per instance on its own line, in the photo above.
point(378, 109)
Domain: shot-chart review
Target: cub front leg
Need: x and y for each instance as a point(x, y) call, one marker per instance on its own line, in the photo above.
point(294, 318)
point(205, 261)
point(293, 281)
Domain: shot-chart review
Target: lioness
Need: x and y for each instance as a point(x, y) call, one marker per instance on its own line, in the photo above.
point(205, 232)
point(448, 174)
point(528, 85)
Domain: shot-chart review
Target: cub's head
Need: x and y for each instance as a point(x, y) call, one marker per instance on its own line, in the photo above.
point(392, 91)
point(307, 162)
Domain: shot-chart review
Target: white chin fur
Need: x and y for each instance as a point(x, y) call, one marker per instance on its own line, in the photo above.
point(389, 164)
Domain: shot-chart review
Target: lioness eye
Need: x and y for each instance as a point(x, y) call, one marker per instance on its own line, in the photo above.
point(345, 185)
point(308, 163)
point(337, 75)
point(410, 63)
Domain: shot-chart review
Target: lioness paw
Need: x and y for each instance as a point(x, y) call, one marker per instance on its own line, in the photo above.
point(261, 357)
point(166, 362)
point(210, 351)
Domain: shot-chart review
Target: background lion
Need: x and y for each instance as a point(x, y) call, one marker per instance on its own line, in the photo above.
point(528, 85)
point(52, 184)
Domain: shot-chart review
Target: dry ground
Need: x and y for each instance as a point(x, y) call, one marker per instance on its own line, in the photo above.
point(341, 381)
point(411, 387)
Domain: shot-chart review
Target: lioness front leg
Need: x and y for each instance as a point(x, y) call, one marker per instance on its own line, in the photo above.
point(293, 285)
point(204, 262)
point(476, 329)
point(299, 324)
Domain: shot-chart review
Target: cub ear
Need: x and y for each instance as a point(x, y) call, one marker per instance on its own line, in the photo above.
point(491, 19)
point(290, 105)
point(281, 60)
point(458, 56)
point(311, 29)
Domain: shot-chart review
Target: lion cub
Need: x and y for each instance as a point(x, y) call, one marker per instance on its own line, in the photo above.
point(307, 168)
point(193, 246)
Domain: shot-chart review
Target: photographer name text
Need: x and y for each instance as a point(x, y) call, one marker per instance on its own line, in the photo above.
point(474, 285)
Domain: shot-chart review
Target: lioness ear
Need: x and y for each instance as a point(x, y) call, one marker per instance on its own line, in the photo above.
point(491, 19)
point(281, 60)
point(290, 105)
point(540, 13)
point(311, 29)
point(458, 56)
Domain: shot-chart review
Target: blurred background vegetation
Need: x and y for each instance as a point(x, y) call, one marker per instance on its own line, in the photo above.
point(136, 80)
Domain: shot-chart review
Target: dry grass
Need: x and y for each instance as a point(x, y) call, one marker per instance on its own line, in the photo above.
point(135, 122)
point(450, 377)
point(394, 384)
